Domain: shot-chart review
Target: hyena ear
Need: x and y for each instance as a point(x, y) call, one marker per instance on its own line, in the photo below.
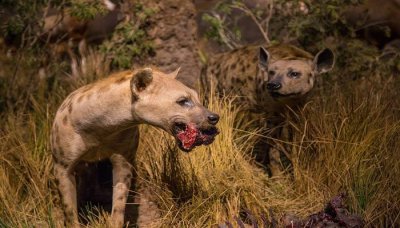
point(174, 73)
point(141, 80)
point(263, 58)
point(109, 5)
point(324, 61)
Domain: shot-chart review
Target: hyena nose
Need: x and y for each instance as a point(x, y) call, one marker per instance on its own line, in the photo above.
point(274, 85)
point(213, 119)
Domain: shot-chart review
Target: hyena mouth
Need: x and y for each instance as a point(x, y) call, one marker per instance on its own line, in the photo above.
point(280, 95)
point(188, 136)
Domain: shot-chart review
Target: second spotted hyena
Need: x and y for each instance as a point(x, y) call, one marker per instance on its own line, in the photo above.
point(267, 80)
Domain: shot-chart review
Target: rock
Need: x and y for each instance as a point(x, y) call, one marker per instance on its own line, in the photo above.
point(334, 214)
point(174, 32)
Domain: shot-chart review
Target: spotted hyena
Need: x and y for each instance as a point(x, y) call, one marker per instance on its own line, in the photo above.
point(100, 121)
point(267, 80)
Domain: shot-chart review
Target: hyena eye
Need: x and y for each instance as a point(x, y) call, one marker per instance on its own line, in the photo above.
point(184, 102)
point(271, 72)
point(294, 74)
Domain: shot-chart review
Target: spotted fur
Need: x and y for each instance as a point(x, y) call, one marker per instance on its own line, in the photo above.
point(266, 79)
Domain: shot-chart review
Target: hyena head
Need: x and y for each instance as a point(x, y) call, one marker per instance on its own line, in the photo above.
point(292, 77)
point(162, 101)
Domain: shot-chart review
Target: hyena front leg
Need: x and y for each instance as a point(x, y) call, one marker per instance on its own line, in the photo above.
point(67, 189)
point(274, 154)
point(122, 175)
point(275, 161)
point(283, 135)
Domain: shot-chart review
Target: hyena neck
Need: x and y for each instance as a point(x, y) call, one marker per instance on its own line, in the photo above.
point(261, 97)
point(109, 109)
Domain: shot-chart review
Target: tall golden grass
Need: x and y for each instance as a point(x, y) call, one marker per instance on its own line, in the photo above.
point(26, 189)
point(349, 141)
point(346, 139)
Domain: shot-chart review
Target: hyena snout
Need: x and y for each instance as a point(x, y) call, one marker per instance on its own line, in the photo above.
point(272, 86)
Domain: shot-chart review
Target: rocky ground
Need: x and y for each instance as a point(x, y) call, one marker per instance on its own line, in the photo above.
point(174, 32)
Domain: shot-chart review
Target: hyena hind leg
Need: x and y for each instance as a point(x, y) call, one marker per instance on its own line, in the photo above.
point(67, 188)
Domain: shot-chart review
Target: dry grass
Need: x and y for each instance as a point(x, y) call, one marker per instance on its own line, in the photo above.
point(349, 142)
point(346, 142)
point(26, 192)
point(345, 139)
point(216, 183)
